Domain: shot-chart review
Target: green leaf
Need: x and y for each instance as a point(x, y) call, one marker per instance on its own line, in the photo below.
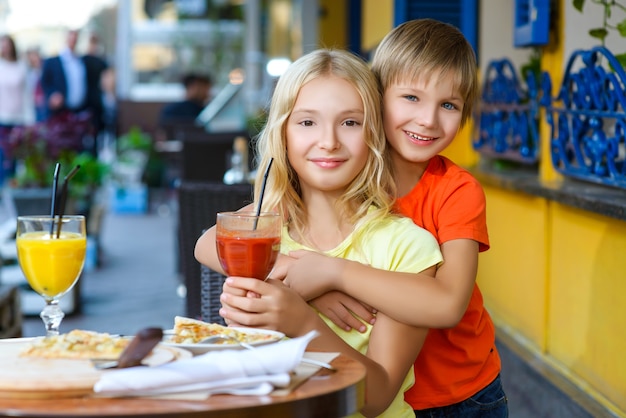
point(621, 27)
point(622, 59)
point(578, 5)
point(598, 33)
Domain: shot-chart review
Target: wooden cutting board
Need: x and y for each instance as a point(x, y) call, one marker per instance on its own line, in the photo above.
point(26, 377)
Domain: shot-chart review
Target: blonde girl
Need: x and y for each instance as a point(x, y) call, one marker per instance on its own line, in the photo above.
point(328, 180)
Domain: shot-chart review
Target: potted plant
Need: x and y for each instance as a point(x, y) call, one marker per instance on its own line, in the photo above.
point(37, 148)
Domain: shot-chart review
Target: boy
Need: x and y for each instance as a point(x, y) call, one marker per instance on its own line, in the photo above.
point(428, 73)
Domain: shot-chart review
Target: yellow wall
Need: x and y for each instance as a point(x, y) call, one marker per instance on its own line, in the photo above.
point(512, 274)
point(587, 300)
point(377, 20)
point(332, 24)
point(554, 280)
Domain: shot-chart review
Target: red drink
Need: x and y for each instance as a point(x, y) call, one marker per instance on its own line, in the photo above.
point(247, 256)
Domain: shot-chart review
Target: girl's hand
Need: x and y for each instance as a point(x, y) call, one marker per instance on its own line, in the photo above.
point(277, 307)
point(344, 311)
point(235, 292)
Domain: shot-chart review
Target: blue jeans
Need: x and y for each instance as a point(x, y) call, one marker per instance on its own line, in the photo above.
point(490, 402)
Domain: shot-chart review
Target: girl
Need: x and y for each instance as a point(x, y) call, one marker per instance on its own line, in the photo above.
point(324, 132)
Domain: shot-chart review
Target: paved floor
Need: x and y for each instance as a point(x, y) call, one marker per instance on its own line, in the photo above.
point(137, 287)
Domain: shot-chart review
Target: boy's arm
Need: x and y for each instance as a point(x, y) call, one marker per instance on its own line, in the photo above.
point(415, 299)
point(392, 348)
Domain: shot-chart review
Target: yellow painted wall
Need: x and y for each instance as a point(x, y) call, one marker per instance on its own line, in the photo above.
point(587, 318)
point(377, 20)
point(512, 273)
point(332, 24)
point(460, 150)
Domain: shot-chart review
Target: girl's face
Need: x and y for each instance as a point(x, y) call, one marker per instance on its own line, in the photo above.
point(325, 135)
point(421, 118)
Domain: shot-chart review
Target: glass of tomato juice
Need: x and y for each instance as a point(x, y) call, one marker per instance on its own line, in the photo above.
point(247, 243)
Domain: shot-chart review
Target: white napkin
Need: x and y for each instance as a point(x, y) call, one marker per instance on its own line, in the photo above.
point(255, 372)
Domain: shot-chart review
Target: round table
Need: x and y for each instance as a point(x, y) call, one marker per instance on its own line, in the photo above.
point(325, 395)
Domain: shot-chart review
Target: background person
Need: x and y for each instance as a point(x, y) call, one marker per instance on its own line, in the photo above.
point(197, 89)
point(33, 82)
point(13, 103)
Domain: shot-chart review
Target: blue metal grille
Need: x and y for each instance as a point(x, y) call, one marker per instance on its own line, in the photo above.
point(509, 115)
point(588, 118)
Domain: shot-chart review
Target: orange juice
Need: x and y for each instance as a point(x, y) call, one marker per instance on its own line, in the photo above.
point(51, 265)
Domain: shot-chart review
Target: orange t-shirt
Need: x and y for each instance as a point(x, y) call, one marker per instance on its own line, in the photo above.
point(458, 362)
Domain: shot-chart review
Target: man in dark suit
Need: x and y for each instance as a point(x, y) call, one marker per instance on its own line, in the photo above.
point(95, 66)
point(72, 84)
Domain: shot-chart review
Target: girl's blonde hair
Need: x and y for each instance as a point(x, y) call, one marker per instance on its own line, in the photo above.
point(373, 186)
point(420, 48)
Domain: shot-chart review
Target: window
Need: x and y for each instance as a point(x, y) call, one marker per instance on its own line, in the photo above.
point(532, 22)
point(461, 13)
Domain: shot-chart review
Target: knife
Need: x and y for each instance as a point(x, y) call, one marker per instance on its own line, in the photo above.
point(139, 347)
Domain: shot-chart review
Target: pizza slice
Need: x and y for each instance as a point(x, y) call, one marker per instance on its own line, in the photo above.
point(192, 331)
point(78, 344)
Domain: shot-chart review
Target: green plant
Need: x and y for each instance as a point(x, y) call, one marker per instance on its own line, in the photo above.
point(135, 139)
point(38, 148)
point(601, 33)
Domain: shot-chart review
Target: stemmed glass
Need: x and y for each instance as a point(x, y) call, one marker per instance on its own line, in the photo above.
point(51, 253)
point(248, 243)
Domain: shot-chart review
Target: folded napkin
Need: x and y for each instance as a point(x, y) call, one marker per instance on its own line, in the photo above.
point(255, 372)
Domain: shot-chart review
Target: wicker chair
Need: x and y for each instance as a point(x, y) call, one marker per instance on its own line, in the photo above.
point(199, 203)
point(10, 312)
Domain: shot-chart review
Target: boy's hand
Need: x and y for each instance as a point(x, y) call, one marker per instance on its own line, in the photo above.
point(312, 274)
point(283, 262)
point(341, 309)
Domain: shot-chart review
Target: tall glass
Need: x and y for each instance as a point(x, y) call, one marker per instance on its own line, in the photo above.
point(248, 244)
point(51, 253)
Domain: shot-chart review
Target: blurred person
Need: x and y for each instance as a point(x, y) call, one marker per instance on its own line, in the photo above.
point(12, 97)
point(64, 79)
point(95, 66)
point(12, 85)
point(197, 87)
point(71, 83)
point(33, 84)
point(109, 101)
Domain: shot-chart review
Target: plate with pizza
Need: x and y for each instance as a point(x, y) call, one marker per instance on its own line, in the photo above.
point(62, 366)
point(188, 332)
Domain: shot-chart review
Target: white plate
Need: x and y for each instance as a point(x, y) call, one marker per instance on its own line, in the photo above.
point(162, 354)
point(203, 348)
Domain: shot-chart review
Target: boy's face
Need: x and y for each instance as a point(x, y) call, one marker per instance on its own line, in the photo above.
point(421, 118)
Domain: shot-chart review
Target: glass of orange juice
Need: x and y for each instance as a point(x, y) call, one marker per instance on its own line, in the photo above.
point(247, 243)
point(51, 253)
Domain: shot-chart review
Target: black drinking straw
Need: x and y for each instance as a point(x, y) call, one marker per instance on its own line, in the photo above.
point(53, 202)
point(258, 209)
point(63, 197)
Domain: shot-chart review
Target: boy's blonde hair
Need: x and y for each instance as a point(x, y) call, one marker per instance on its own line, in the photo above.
point(373, 186)
point(422, 48)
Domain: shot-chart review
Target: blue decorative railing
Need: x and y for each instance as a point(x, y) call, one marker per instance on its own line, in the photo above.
point(509, 115)
point(588, 118)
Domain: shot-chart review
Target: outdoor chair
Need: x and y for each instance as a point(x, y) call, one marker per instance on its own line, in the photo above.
point(199, 203)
